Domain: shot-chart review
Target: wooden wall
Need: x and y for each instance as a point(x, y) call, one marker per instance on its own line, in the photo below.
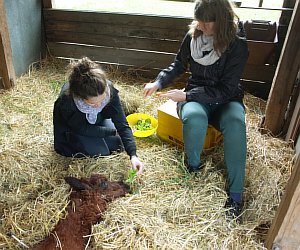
point(145, 42)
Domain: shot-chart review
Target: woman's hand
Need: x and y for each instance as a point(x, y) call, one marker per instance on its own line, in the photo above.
point(137, 164)
point(176, 95)
point(150, 88)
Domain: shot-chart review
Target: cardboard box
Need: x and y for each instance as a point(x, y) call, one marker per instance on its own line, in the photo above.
point(170, 127)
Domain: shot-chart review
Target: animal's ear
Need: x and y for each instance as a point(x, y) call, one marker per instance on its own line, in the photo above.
point(75, 183)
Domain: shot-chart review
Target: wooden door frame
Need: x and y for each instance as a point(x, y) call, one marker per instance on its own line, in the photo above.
point(284, 79)
point(7, 71)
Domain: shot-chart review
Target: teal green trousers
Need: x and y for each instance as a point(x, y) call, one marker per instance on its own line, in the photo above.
point(229, 119)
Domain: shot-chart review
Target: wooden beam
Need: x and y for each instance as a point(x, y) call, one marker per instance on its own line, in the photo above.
point(285, 77)
point(284, 232)
point(7, 72)
point(262, 73)
point(289, 3)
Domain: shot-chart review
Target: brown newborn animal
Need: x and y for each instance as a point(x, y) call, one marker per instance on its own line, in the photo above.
point(88, 201)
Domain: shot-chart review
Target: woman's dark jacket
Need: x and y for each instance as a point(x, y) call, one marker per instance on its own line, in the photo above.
point(216, 83)
point(68, 120)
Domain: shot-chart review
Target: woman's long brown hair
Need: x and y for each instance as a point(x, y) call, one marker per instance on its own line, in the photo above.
point(221, 12)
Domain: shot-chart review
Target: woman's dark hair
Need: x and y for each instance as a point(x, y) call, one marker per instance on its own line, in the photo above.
point(86, 78)
point(218, 11)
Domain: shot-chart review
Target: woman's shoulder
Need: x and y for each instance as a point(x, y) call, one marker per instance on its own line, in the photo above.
point(188, 36)
point(65, 97)
point(239, 44)
point(65, 102)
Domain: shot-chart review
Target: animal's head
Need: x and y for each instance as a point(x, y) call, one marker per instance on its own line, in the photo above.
point(105, 189)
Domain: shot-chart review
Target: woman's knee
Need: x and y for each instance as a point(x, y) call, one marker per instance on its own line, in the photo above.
point(194, 114)
point(233, 116)
point(195, 119)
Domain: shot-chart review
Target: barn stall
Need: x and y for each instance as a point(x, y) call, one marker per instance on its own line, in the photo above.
point(169, 209)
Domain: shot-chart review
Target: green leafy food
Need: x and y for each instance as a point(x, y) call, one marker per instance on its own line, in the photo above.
point(143, 124)
point(131, 176)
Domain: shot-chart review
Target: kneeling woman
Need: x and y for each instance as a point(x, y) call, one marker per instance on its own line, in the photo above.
point(88, 117)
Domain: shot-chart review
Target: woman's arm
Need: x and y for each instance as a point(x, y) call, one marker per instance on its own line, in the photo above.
point(116, 112)
point(178, 67)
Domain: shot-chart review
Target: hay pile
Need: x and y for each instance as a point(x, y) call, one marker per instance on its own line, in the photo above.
point(169, 209)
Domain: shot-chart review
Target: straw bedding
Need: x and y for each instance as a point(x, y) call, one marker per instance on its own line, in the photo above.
point(168, 209)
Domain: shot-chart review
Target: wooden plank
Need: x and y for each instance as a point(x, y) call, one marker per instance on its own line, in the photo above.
point(294, 125)
point(262, 73)
point(7, 72)
point(286, 224)
point(284, 78)
point(137, 58)
point(113, 41)
point(290, 127)
point(117, 30)
point(125, 19)
point(288, 235)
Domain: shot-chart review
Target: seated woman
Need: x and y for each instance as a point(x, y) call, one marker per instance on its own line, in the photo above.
point(215, 54)
point(88, 117)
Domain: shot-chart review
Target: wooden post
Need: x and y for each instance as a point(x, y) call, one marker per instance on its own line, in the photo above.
point(47, 4)
point(285, 77)
point(285, 230)
point(7, 72)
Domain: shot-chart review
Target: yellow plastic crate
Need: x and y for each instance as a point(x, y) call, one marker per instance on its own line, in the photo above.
point(170, 127)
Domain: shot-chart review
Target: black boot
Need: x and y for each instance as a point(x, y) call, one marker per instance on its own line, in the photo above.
point(189, 168)
point(234, 209)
